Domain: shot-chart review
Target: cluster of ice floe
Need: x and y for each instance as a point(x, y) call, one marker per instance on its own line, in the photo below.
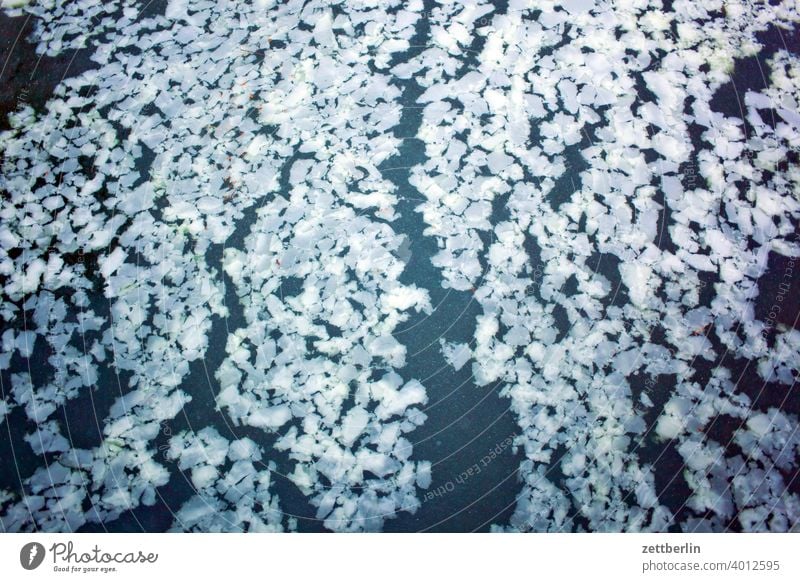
point(578, 181)
point(315, 362)
point(319, 281)
point(10, 5)
point(232, 492)
point(118, 191)
point(68, 26)
point(506, 105)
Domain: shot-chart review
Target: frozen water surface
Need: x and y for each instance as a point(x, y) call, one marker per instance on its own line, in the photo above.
point(400, 266)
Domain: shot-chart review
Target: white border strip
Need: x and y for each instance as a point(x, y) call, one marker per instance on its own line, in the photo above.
point(388, 557)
